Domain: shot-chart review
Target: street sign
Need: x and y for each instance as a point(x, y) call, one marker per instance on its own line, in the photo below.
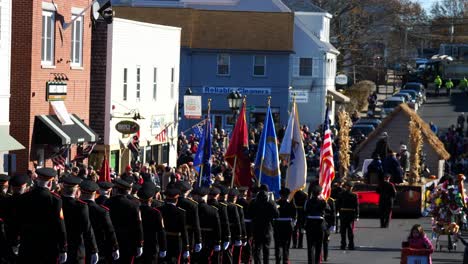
point(56, 91)
point(127, 127)
point(341, 79)
point(192, 106)
point(302, 96)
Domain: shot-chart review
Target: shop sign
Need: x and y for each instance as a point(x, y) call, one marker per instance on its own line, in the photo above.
point(56, 91)
point(157, 123)
point(127, 127)
point(192, 106)
point(341, 79)
point(302, 96)
point(241, 90)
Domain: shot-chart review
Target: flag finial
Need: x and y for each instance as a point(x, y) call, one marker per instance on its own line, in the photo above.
point(209, 106)
point(268, 100)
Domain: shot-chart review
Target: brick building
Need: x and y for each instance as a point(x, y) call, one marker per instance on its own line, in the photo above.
point(50, 69)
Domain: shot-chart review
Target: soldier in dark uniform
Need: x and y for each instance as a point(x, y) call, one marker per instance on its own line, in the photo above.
point(238, 244)
point(348, 207)
point(79, 229)
point(247, 246)
point(102, 225)
point(234, 226)
point(157, 202)
point(153, 225)
point(210, 227)
point(42, 233)
point(176, 228)
point(262, 212)
point(191, 214)
point(314, 210)
point(223, 217)
point(126, 217)
point(105, 189)
point(5, 252)
point(330, 220)
point(283, 226)
point(300, 197)
point(336, 191)
point(387, 193)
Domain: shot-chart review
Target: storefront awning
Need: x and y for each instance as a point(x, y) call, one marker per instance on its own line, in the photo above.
point(337, 96)
point(49, 130)
point(7, 142)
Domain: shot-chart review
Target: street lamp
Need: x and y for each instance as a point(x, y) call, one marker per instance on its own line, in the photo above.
point(234, 100)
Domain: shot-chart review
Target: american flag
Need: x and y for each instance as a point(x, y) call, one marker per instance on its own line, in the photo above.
point(83, 153)
point(161, 136)
point(59, 158)
point(327, 168)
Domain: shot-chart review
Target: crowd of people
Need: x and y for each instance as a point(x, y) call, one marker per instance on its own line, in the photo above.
point(456, 143)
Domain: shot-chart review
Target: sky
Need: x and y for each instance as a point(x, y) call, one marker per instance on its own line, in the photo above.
point(427, 4)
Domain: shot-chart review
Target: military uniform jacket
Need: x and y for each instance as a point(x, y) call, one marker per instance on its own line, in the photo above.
point(79, 229)
point(192, 219)
point(348, 206)
point(299, 200)
point(240, 211)
point(102, 227)
point(314, 209)
point(387, 193)
point(174, 223)
point(330, 212)
point(126, 218)
point(154, 234)
point(262, 213)
point(211, 224)
point(40, 221)
point(234, 221)
point(224, 218)
point(284, 223)
point(247, 221)
point(102, 199)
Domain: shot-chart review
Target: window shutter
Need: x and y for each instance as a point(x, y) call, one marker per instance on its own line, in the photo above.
point(295, 66)
point(315, 67)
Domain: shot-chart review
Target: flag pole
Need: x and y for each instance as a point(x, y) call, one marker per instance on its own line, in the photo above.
point(201, 175)
point(261, 163)
point(292, 134)
point(202, 164)
point(234, 171)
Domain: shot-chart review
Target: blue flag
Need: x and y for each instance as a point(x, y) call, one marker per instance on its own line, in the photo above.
point(267, 162)
point(203, 156)
point(198, 130)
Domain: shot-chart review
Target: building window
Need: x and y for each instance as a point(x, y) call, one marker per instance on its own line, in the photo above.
point(155, 83)
point(125, 85)
point(172, 83)
point(138, 91)
point(223, 64)
point(259, 65)
point(305, 67)
point(48, 37)
point(76, 51)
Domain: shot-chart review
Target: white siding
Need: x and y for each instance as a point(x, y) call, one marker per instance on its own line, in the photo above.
point(147, 46)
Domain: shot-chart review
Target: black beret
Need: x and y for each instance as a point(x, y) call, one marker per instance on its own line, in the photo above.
point(172, 192)
point(214, 191)
point(46, 172)
point(4, 178)
point(89, 186)
point(223, 190)
point(284, 191)
point(202, 191)
point(183, 186)
point(71, 180)
point(146, 191)
point(19, 179)
point(105, 185)
point(119, 183)
point(233, 192)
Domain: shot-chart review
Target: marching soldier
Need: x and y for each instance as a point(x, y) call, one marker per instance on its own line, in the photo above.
point(176, 228)
point(100, 221)
point(154, 235)
point(126, 217)
point(42, 233)
point(348, 207)
point(300, 197)
point(105, 189)
point(210, 227)
point(79, 229)
point(234, 226)
point(314, 210)
point(240, 233)
point(4, 211)
point(191, 213)
point(387, 194)
point(336, 191)
point(247, 246)
point(283, 226)
point(223, 217)
point(330, 220)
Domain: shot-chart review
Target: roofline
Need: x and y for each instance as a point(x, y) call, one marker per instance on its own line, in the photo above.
point(315, 38)
point(326, 14)
point(236, 50)
point(146, 24)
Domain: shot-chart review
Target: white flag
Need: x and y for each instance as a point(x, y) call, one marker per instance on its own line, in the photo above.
point(292, 149)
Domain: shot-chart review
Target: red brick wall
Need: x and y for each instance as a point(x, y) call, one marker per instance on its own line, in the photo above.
point(28, 83)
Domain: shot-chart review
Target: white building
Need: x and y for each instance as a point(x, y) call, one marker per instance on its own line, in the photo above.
point(7, 143)
point(141, 86)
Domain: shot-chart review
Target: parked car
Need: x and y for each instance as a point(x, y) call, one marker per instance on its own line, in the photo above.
point(418, 87)
point(408, 99)
point(361, 129)
point(369, 121)
point(414, 95)
point(390, 104)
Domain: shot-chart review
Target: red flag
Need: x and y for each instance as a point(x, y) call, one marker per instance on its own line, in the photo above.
point(104, 174)
point(239, 147)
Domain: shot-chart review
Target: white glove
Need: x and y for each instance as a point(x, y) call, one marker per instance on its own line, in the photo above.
point(15, 250)
point(332, 229)
point(357, 219)
point(225, 245)
point(238, 243)
point(116, 254)
point(139, 252)
point(244, 244)
point(162, 254)
point(63, 257)
point(294, 222)
point(337, 214)
point(217, 248)
point(94, 258)
point(198, 247)
point(186, 254)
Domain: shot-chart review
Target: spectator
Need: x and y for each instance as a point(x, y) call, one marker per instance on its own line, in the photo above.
point(404, 158)
point(417, 239)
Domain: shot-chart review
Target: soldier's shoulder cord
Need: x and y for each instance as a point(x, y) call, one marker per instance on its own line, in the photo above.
point(193, 201)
